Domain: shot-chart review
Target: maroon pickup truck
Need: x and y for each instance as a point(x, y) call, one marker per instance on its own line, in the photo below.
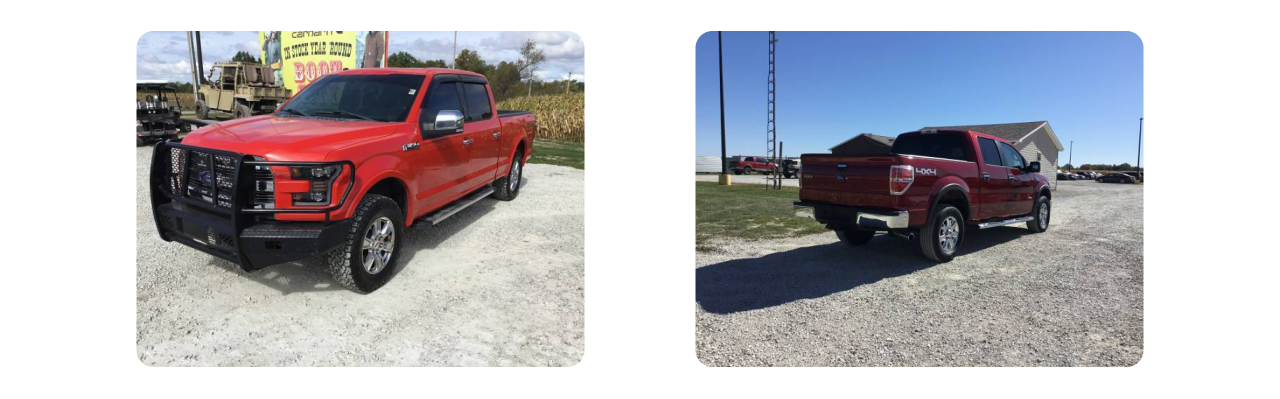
point(935, 184)
point(748, 165)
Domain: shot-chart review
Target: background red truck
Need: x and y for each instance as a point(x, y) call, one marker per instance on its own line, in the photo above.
point(749, 165)
point(341, 169)
point(934, 184)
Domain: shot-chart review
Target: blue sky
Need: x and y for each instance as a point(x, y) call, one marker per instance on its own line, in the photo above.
point(164, 56)
point(833, 85)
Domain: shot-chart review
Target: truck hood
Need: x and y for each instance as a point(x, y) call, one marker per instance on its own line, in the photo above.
point(287, 139)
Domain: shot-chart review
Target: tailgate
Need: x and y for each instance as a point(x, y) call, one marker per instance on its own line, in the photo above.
point(847, 180)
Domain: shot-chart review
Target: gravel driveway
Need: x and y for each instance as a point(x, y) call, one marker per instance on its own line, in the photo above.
point(1071, 296)
point(498, 284)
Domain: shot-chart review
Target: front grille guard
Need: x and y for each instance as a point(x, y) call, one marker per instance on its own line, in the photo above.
point(166, 178)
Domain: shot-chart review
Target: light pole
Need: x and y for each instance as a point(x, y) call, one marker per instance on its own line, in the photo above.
point(724, 160)
point(454, 63)
point(1138, 167)
point(1070, 155)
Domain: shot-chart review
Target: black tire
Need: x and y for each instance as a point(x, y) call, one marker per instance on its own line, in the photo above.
point(855, 237)
point(746, 170)
point(141, 142)
point(737, 171)
point(346, 263)
point(930, 235)
point(243, 111)
point(506, 188)
point(202, 111)
point(1039, 224)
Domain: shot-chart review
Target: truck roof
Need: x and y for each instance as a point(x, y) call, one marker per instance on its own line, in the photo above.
point(406, 71)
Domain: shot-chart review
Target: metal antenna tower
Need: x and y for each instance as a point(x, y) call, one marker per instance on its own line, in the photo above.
point(771, 135)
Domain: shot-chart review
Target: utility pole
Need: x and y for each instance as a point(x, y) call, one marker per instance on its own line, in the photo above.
point(724, 159)
point(1138, 167)
point(195, 72)
point(454, 63)
point(1070, 153)
point(199, 58)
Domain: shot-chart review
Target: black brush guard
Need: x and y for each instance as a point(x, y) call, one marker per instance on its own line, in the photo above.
point(222, 221)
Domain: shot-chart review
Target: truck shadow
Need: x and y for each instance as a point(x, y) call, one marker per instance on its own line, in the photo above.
point(309, 275)
point(817, 271)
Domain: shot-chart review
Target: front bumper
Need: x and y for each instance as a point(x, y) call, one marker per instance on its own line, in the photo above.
point(866, 219)
point(255, 247)
point(221, 220)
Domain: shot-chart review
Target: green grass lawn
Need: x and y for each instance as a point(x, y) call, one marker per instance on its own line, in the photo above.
point(748, 211)
point(561, 153)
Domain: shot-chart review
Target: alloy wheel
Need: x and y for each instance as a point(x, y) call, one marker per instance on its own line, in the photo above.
point(379, 243)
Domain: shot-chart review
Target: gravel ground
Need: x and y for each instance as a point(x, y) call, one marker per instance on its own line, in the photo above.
point(746, 179)
point(498, 284)
point(1071, 296)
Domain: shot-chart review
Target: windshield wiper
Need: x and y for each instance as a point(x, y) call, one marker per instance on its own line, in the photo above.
point(341, 113)
point(294, 111)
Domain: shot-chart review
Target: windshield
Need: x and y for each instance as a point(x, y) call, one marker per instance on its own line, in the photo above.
point(378, 98)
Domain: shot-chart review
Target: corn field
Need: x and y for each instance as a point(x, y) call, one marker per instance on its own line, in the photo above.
point(185, 99)
point(560, 116)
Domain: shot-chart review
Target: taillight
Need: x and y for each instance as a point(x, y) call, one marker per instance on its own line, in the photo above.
point(900, 178)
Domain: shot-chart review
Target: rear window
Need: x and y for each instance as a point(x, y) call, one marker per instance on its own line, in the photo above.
point(947, 146)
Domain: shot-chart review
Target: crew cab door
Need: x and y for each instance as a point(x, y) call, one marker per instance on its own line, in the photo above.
point(442, 157)
point(992, 196)
point(1022, 185)
point(483, 130)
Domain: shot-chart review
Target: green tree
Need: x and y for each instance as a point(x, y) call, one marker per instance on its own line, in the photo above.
point(242, 56)
point(435, 64)
point(1067, 167)
point(468, 60)
point(531, 56)
point(404, 60)
point(505, 80)
point(1124, 167)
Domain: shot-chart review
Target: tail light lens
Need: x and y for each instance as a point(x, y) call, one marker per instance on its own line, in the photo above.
point(900, 178)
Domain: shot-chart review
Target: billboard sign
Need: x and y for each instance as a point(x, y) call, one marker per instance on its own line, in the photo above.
point(298, 58)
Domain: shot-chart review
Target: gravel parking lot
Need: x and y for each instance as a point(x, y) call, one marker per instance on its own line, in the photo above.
point(1071, 296)
point(747, 179)
point(499, 284)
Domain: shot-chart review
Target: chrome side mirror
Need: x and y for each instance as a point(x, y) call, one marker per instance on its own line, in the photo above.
point(447, 122)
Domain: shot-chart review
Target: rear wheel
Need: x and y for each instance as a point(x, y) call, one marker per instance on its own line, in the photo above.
point(942, 234)
point(507, 188)
point(367, 259)
point(1040, 214)
point(243, 111)
point(855, 237)
point(202, 111)
point(746, 170)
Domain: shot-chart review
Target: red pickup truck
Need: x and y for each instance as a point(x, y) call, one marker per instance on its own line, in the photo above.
point(935, 184)
point(748, 165)
point(341, 169)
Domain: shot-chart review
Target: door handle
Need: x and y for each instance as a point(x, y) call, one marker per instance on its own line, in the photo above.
point(497, 134)
point(1010, 178)
point(986, 176)
point(467, 141)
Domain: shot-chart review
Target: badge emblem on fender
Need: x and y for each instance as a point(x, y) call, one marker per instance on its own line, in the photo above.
point(926, 172)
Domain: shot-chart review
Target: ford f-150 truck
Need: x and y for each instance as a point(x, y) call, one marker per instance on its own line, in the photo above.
point(340, 170)
point(748, 165)
point(934, 184)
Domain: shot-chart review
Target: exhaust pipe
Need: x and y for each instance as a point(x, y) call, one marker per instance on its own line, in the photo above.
point(909, 236)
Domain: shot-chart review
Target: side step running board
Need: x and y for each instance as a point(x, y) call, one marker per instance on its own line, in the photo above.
point(444, 213)
point(1004, 222)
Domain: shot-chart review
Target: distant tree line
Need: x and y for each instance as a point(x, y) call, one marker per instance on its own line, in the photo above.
point(507, 79)
point(1124, 167)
